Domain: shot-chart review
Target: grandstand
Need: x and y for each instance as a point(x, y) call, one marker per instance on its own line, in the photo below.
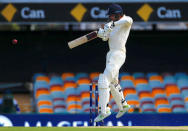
point(50, 83)
point(152, 92)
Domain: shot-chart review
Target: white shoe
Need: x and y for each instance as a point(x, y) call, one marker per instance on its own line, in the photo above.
point(122, 112)
point(102, 116)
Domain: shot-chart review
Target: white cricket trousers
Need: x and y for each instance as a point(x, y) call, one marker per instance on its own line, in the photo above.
point(114, 60)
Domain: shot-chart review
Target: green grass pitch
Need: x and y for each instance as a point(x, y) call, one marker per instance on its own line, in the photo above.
point(93, 128)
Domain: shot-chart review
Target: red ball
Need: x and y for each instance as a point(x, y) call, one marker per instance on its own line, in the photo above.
point(14, 41)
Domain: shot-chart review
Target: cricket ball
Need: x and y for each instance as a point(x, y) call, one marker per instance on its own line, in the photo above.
point(14, 41)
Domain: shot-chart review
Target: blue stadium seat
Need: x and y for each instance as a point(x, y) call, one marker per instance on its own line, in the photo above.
point(159, 96)
point(123, 74)
point(186, 106)
point(169, 80)
point(148, 75)
point(37, 75)
point(81, 75)
point(85, 108)
point(69, 91)
point(163, 108)
point(59, 106)
point(143, 87)
point(60, 110)
point(146, 100)
point(182, 84)
point(155, 84)
point(70, 79)
point(177, 106)
point(40, 84)
point(58, 94)
point(179, 75)
point(131, 97)
point(138, 75)
point(56, 80)
point(148, 108)
point(125, 84)
point(176, 102)
point(95, 79)
point(175, 97)
point(82, 88)
point(182, 110)
point(184, 93)
point(45, 106)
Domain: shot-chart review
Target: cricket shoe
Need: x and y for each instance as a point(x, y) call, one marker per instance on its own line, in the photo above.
point(102, 116)
point(122, 112)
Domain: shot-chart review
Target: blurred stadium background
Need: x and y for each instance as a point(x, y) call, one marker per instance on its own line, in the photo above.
point(44, 83)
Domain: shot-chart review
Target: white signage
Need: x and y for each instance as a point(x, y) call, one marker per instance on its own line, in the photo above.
point(163, 13)
point(28, 13)
point(97, 13)
point(68, 123)
point(4, 121)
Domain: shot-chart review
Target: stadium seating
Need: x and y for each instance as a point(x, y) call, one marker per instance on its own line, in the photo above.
point(94, 76)
point(84, 97)
point(164, 108)
point(151, 92)
point(68, 76)
point(148, 75)
point(127, 87)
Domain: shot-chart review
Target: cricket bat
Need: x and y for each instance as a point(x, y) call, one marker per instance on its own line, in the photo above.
point(82, 40)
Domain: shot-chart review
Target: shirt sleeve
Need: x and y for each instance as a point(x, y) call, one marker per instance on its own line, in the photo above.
point(127, 21)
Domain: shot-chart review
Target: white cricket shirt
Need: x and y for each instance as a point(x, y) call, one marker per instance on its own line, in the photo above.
point(118, 36)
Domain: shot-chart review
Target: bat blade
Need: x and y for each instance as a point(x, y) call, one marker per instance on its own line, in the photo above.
point(82, 40)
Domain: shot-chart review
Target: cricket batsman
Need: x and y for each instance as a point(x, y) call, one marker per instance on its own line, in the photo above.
point(116, 32)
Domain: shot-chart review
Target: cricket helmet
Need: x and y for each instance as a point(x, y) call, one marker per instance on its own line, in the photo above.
point(114, 9)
